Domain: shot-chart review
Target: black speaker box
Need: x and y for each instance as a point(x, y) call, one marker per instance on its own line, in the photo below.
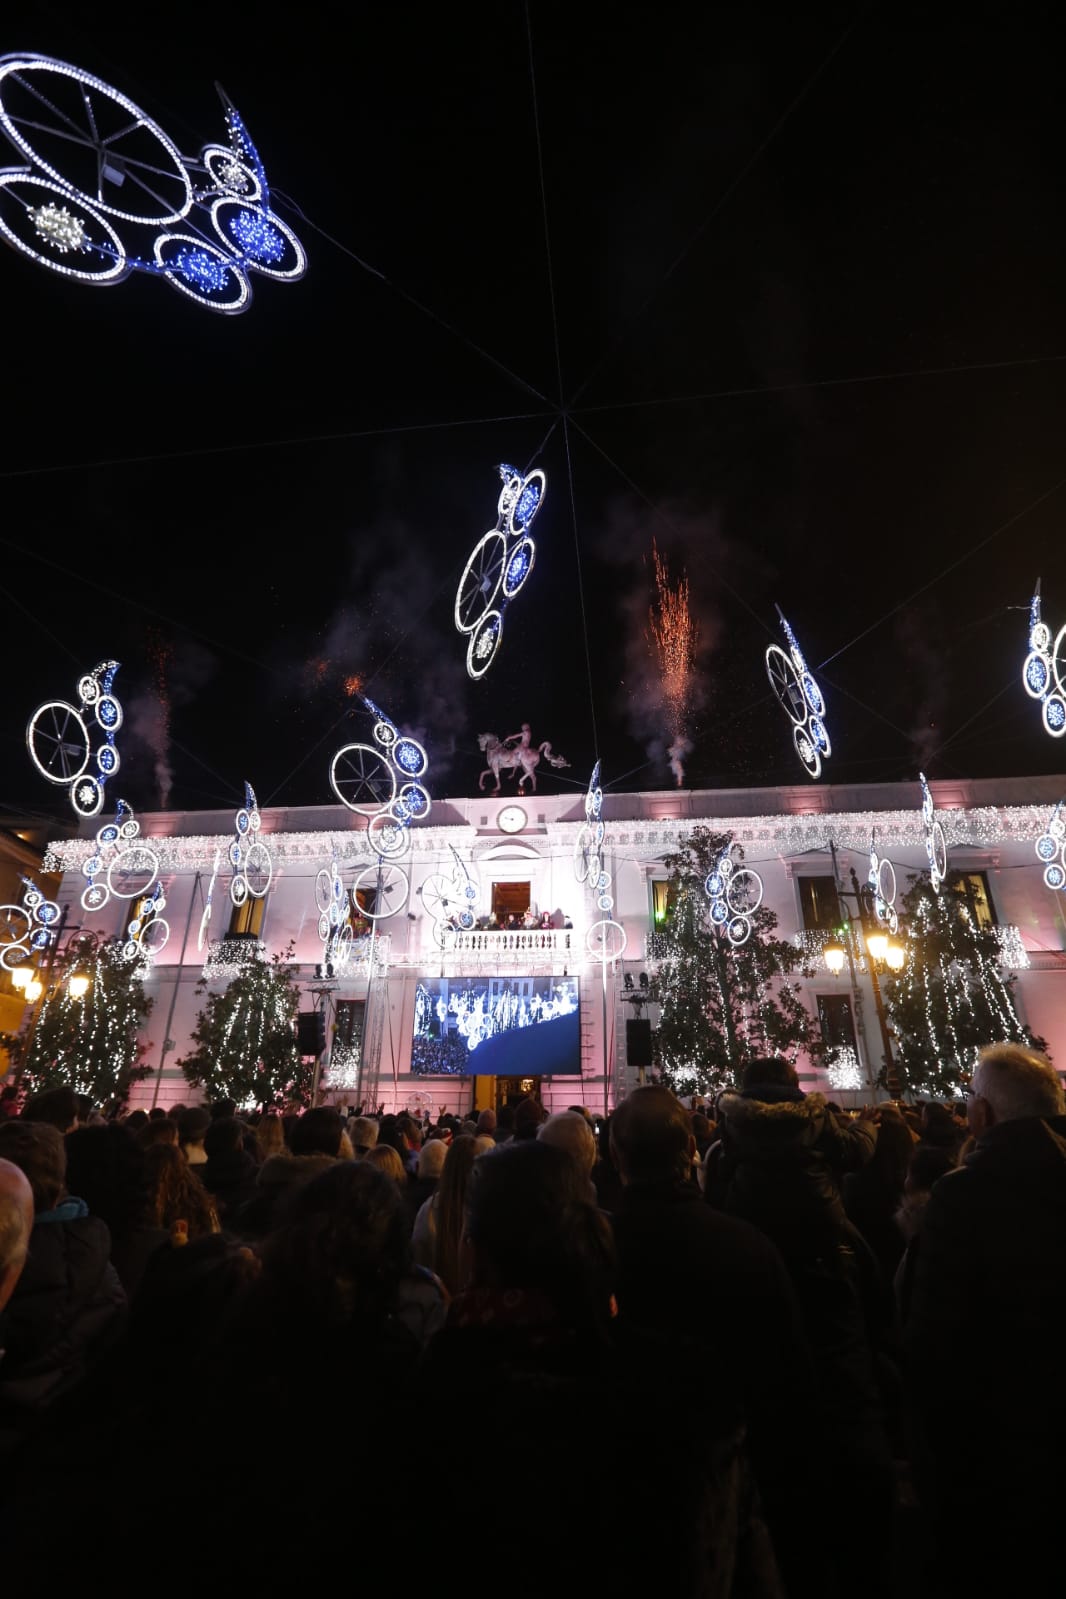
point(311, 1032)
point(638, 1041)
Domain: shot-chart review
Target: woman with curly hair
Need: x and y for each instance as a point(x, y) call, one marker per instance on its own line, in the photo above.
point(177, 1199)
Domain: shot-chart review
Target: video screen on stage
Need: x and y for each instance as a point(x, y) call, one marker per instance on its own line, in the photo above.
point(497, 1027)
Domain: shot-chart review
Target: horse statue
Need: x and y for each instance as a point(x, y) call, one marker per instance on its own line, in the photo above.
point(512, 754)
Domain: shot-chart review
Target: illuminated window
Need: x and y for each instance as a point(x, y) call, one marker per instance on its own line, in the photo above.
point(246, 921)
point(659, 893)
point(838, 1026)
point(819, 906)
point(973, 886)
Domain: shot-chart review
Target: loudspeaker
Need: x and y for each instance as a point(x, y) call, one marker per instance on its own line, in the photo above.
point(638, 1041)
point(311, 1032)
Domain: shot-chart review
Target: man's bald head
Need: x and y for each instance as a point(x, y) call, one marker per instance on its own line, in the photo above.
point(16, 1224)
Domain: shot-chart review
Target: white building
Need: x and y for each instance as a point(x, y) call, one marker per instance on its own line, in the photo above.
point(506, 853)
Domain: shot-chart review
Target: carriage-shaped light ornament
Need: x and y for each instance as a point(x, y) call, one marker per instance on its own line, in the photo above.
point(253, 866)
point(882, 880)
point(101, 191)
point(29, 928)
point(60, 743)
point(936, 848)
point(499, 567)
point(449, 898)
point(1042, 672)
point(605, 939)
point(334, 918)
point(801, 699)
point(120, 862)
point(149, 930)
point(380, 781)
point(735, 893)
point(1051, 850)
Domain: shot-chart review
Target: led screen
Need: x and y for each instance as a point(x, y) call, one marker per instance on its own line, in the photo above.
point(497, 1026)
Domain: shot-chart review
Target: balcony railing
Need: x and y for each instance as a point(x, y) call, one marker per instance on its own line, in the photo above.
point(519, 941)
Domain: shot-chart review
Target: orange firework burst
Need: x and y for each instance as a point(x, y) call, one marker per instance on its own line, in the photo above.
point(353, 685)
point(318, 670)
point(674, 635)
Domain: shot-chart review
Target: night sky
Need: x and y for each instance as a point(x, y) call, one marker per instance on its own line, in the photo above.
point(797, 315)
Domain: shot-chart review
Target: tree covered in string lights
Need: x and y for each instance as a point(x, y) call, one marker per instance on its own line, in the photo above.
point(92, 1044)
point(721, 1005)
point(953, 995)
point(245, 1039)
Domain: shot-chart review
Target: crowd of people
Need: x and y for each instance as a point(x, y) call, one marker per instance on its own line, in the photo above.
point(761, 1347)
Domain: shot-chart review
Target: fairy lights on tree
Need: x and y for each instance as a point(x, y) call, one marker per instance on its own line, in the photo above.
point(722, 1004)
point(801, 699)
point(952, 996)
point(101, 191)
point(245, 1039)
point(499, 567)
point(1043, 667)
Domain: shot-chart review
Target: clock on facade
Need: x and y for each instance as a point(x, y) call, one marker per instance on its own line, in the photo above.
point(511, 819)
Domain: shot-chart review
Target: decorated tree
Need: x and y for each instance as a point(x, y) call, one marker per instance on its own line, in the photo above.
point(92, 1044)
point(953, 994)
point(722, 1003)
point(245, 1038)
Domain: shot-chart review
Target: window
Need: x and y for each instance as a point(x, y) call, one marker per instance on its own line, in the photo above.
point(246, 921)
point(973, 886)
point(834, 1014)
point(819, 906)
point(659, 894)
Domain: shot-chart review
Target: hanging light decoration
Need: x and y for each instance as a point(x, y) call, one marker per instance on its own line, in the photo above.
point(499, 567)
point(735, 893)
point(935, 845)
point(60, 745)
point(801, 699)
point(1042, 671)
point(605, 939)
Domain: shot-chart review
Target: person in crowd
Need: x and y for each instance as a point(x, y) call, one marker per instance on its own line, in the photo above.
point(387, 1160)
point(445, 1222)
point(987, 1313)
point(158, 1130)
point(67, 1306)
point(410, 1144)
point(715, 1290)
point(605, 1177)
point(873, 1194)
point(178, 1202)
point(192, 1128)
point(431, 1163)
point(486, 1122)
point(939, 1129)
point(315, 1143)
point(223, 1109)
point(782, 1159)
point(269, 1136)
point(569, 1130)
point(16, 1223)
point(927, 1165)
point(318, 1132)
point(56, 1106)
point(135, 1120)
point(529, 1113)
point(363, 1132)
point(229, 1173)
point(106, 1167)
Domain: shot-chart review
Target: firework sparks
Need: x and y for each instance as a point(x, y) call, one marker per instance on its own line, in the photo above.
point(353, 685)
point(674, 636)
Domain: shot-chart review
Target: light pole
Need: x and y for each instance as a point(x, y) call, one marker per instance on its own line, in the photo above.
point(882, 953)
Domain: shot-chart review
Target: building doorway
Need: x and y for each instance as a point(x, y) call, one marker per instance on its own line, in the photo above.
point(509, 899)
point(509, 1090)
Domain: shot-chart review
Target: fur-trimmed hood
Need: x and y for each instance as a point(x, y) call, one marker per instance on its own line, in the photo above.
point(283, 1171)
point(738, 1109)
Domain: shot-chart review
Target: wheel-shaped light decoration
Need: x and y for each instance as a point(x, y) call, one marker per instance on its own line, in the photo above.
point(380, 780)
point(381, 890)
point(118, 864)
point(1051, 850)
point(498, 568)
point(148, 931)
point(735, 893)
point(801, 699)
point(252, 864)
point(29, 928)
point(449, 899)
point(75, 745)
point(936, 849)
point(205, 919)
point(1044, 669)
point(334, 921)
point(605, 939)
point(101, 191)
point(882, 880)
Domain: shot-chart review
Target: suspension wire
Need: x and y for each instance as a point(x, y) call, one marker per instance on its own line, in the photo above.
point(544, 205)
point(271, 444)
point(873, 711)
point(754, 390)
point(669, 523)
point(951, 567)
point(723, 198)
point(1011, 682)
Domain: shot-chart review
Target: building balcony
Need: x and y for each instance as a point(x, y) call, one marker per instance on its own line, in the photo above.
point(497, 944)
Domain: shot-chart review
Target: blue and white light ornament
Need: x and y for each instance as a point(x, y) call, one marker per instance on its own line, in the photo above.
point(205, 919)
point(253, 867)
point(1042, 673)
point(62, 746)
point(29, 928)
point(605, 939)
point(1051, 850)
point(801, 699)
point(449, 899)
point(380, 781)
point(148, 930)
point(101, 191)
point(936, 848)
point(735, 893)
point(499, 567)
point(882, 880)
point(121, 864)
point(334, 918)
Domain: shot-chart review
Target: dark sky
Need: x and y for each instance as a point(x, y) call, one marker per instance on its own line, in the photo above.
point(807, 268)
